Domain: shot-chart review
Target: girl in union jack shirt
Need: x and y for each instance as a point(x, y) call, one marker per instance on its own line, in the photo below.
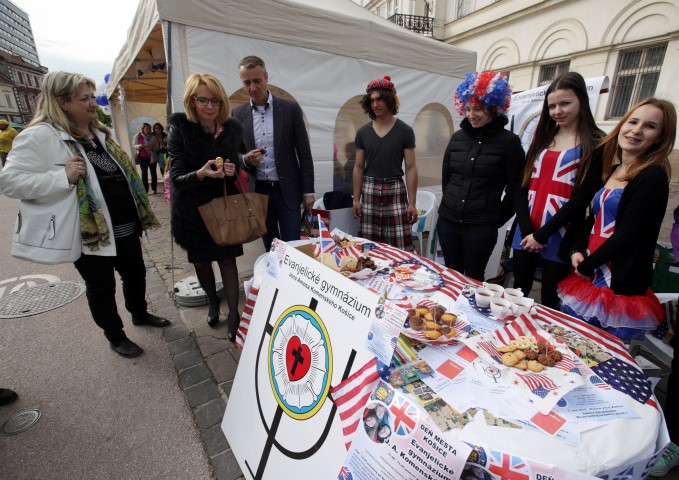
point(561, 175)
point(613, 258)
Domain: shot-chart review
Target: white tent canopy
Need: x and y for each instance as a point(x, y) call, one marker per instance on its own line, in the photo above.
point(320, 52)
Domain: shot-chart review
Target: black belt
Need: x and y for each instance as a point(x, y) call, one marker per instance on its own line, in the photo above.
point(384, 179)
point(268, 184)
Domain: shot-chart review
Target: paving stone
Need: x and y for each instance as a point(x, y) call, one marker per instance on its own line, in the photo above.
point(214, 440)
point(211, 345)
point(226, 467)
point(159, 287)
point(222, 365)
point(188, 359)
point(184, 344)
point(226, 387)
point(209, 413)
point(194, 375)
point(202, 393)
point(173, 333)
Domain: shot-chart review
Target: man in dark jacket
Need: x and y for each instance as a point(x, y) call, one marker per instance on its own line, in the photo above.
point(279, 159)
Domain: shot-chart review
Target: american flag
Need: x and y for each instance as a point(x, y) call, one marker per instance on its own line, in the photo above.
point(245, 319)
point(569, 364)
point(490, 348)
point(351, 396)
point(536, 381)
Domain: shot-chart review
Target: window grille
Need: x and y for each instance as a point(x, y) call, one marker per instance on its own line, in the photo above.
point(548, 73)
point(636, 78)
point(464, 7)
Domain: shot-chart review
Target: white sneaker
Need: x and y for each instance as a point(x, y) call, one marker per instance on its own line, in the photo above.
point(669, 460)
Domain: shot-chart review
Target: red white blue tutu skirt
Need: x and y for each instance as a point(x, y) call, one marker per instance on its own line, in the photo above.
point(627, 317)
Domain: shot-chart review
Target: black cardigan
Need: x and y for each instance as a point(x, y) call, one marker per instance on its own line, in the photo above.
point(631, 247)
point(478, 164)
point(190, 148)
point(573, 213)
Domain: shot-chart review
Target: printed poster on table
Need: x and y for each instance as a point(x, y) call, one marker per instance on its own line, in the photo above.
point(397, 440)
point(307, 334)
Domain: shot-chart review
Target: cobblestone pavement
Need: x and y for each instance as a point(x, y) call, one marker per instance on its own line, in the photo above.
point(206, 361)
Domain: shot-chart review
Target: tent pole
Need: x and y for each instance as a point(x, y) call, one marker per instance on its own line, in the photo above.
point(168, 112)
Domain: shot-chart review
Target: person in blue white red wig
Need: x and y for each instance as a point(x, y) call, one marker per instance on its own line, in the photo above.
point(384, 203)
point(562, 174)
point(613, 257)
point(482, 160)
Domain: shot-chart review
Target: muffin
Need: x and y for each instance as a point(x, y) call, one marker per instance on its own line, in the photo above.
point(417, 323)
point(432, 334)
point(448, 319)
point(436, 311)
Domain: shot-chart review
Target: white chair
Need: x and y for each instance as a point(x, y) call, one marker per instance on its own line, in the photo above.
point(425, 201)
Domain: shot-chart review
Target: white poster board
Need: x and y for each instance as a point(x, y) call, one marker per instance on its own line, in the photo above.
point(308, 333)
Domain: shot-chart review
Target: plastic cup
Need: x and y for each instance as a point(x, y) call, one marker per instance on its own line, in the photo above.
point(483, 296)
point(500, 307)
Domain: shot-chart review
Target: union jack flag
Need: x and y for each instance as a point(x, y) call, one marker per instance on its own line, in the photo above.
point(508, 467)
point(555, 172)
point(325, 243)
point(406, 416)
point(604, 209)
point(345, 473)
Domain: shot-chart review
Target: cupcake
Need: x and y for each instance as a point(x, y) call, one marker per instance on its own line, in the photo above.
point(417, 323)
point(436, 311)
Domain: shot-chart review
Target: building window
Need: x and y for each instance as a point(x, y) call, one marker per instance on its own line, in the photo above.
point(548, 73)
point(464, 7)
point(636, 78)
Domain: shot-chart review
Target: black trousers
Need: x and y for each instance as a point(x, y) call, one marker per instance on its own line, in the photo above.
point(526, 263)
point(146, 167)
point(98, 272)
point(466, 248)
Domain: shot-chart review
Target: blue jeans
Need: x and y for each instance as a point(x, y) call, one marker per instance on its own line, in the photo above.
point(281, 222)
point(466, 248)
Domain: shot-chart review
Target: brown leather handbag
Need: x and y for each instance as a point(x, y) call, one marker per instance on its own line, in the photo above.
point(235, 219)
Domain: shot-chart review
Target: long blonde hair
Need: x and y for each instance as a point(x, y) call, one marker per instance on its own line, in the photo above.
point(63, 85)
point(215, 86)
point(658, 152)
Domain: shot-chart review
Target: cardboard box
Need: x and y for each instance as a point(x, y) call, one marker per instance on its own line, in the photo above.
point(341, 218)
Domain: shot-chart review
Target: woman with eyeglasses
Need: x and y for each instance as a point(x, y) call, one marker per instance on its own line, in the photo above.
point(195, 139)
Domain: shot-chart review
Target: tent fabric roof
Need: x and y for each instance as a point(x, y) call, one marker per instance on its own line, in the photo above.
point(335, 26)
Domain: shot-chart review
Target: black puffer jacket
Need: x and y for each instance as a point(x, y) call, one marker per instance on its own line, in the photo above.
point(478, 165)
point(190, 148)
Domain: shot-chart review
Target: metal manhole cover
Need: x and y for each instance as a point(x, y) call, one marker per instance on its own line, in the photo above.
point(21, 422)
point(189, 293)
point(39, 299)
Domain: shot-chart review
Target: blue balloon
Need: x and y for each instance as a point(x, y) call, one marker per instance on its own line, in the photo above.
point(102, 101)
point(106, 77)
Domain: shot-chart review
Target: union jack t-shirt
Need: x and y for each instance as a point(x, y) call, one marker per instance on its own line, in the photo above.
point(604, 208)
point(551, 187)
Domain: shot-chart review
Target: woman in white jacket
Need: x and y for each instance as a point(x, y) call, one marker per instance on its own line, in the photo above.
point(81, 200)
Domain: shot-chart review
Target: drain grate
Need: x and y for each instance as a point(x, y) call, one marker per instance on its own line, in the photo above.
point(20, 422)
point(189, 293)
point(39, 299)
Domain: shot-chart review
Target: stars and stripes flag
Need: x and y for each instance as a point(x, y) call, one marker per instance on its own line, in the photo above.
point(251, 298)
point(351, 397)
point(490, 348)
point(535, 381)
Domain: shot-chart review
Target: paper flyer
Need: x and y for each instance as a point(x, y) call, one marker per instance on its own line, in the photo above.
point(397, 440)
point(385, 329)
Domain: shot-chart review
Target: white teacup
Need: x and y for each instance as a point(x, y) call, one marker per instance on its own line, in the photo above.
point(497, 290)
point(522, 306)
point(500, 307)
point(483, 296)
point(513, 294)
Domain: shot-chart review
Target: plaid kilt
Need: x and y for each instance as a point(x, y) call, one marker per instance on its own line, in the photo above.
point(384, 212)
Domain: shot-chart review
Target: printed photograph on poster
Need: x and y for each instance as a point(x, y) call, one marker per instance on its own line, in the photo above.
point(400, 441)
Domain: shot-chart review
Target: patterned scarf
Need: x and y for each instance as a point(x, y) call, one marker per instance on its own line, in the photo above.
point(93, 227)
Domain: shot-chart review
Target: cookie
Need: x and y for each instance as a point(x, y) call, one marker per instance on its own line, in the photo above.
point(448, 319)
point(535, 366)
point(432, 334)
point(505, 349)
point(509, 359)
point(523, 365)
point(520, 354)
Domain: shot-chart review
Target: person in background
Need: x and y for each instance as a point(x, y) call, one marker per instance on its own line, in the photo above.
point(195, 139)
point(7, 135)
point(160, 145)
point(483, 160)
point(670, 457)
point(562, 173)
point(67, 152)
point(279, 158)
point(148, 160)
point(385, 205)
point(613, 254)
